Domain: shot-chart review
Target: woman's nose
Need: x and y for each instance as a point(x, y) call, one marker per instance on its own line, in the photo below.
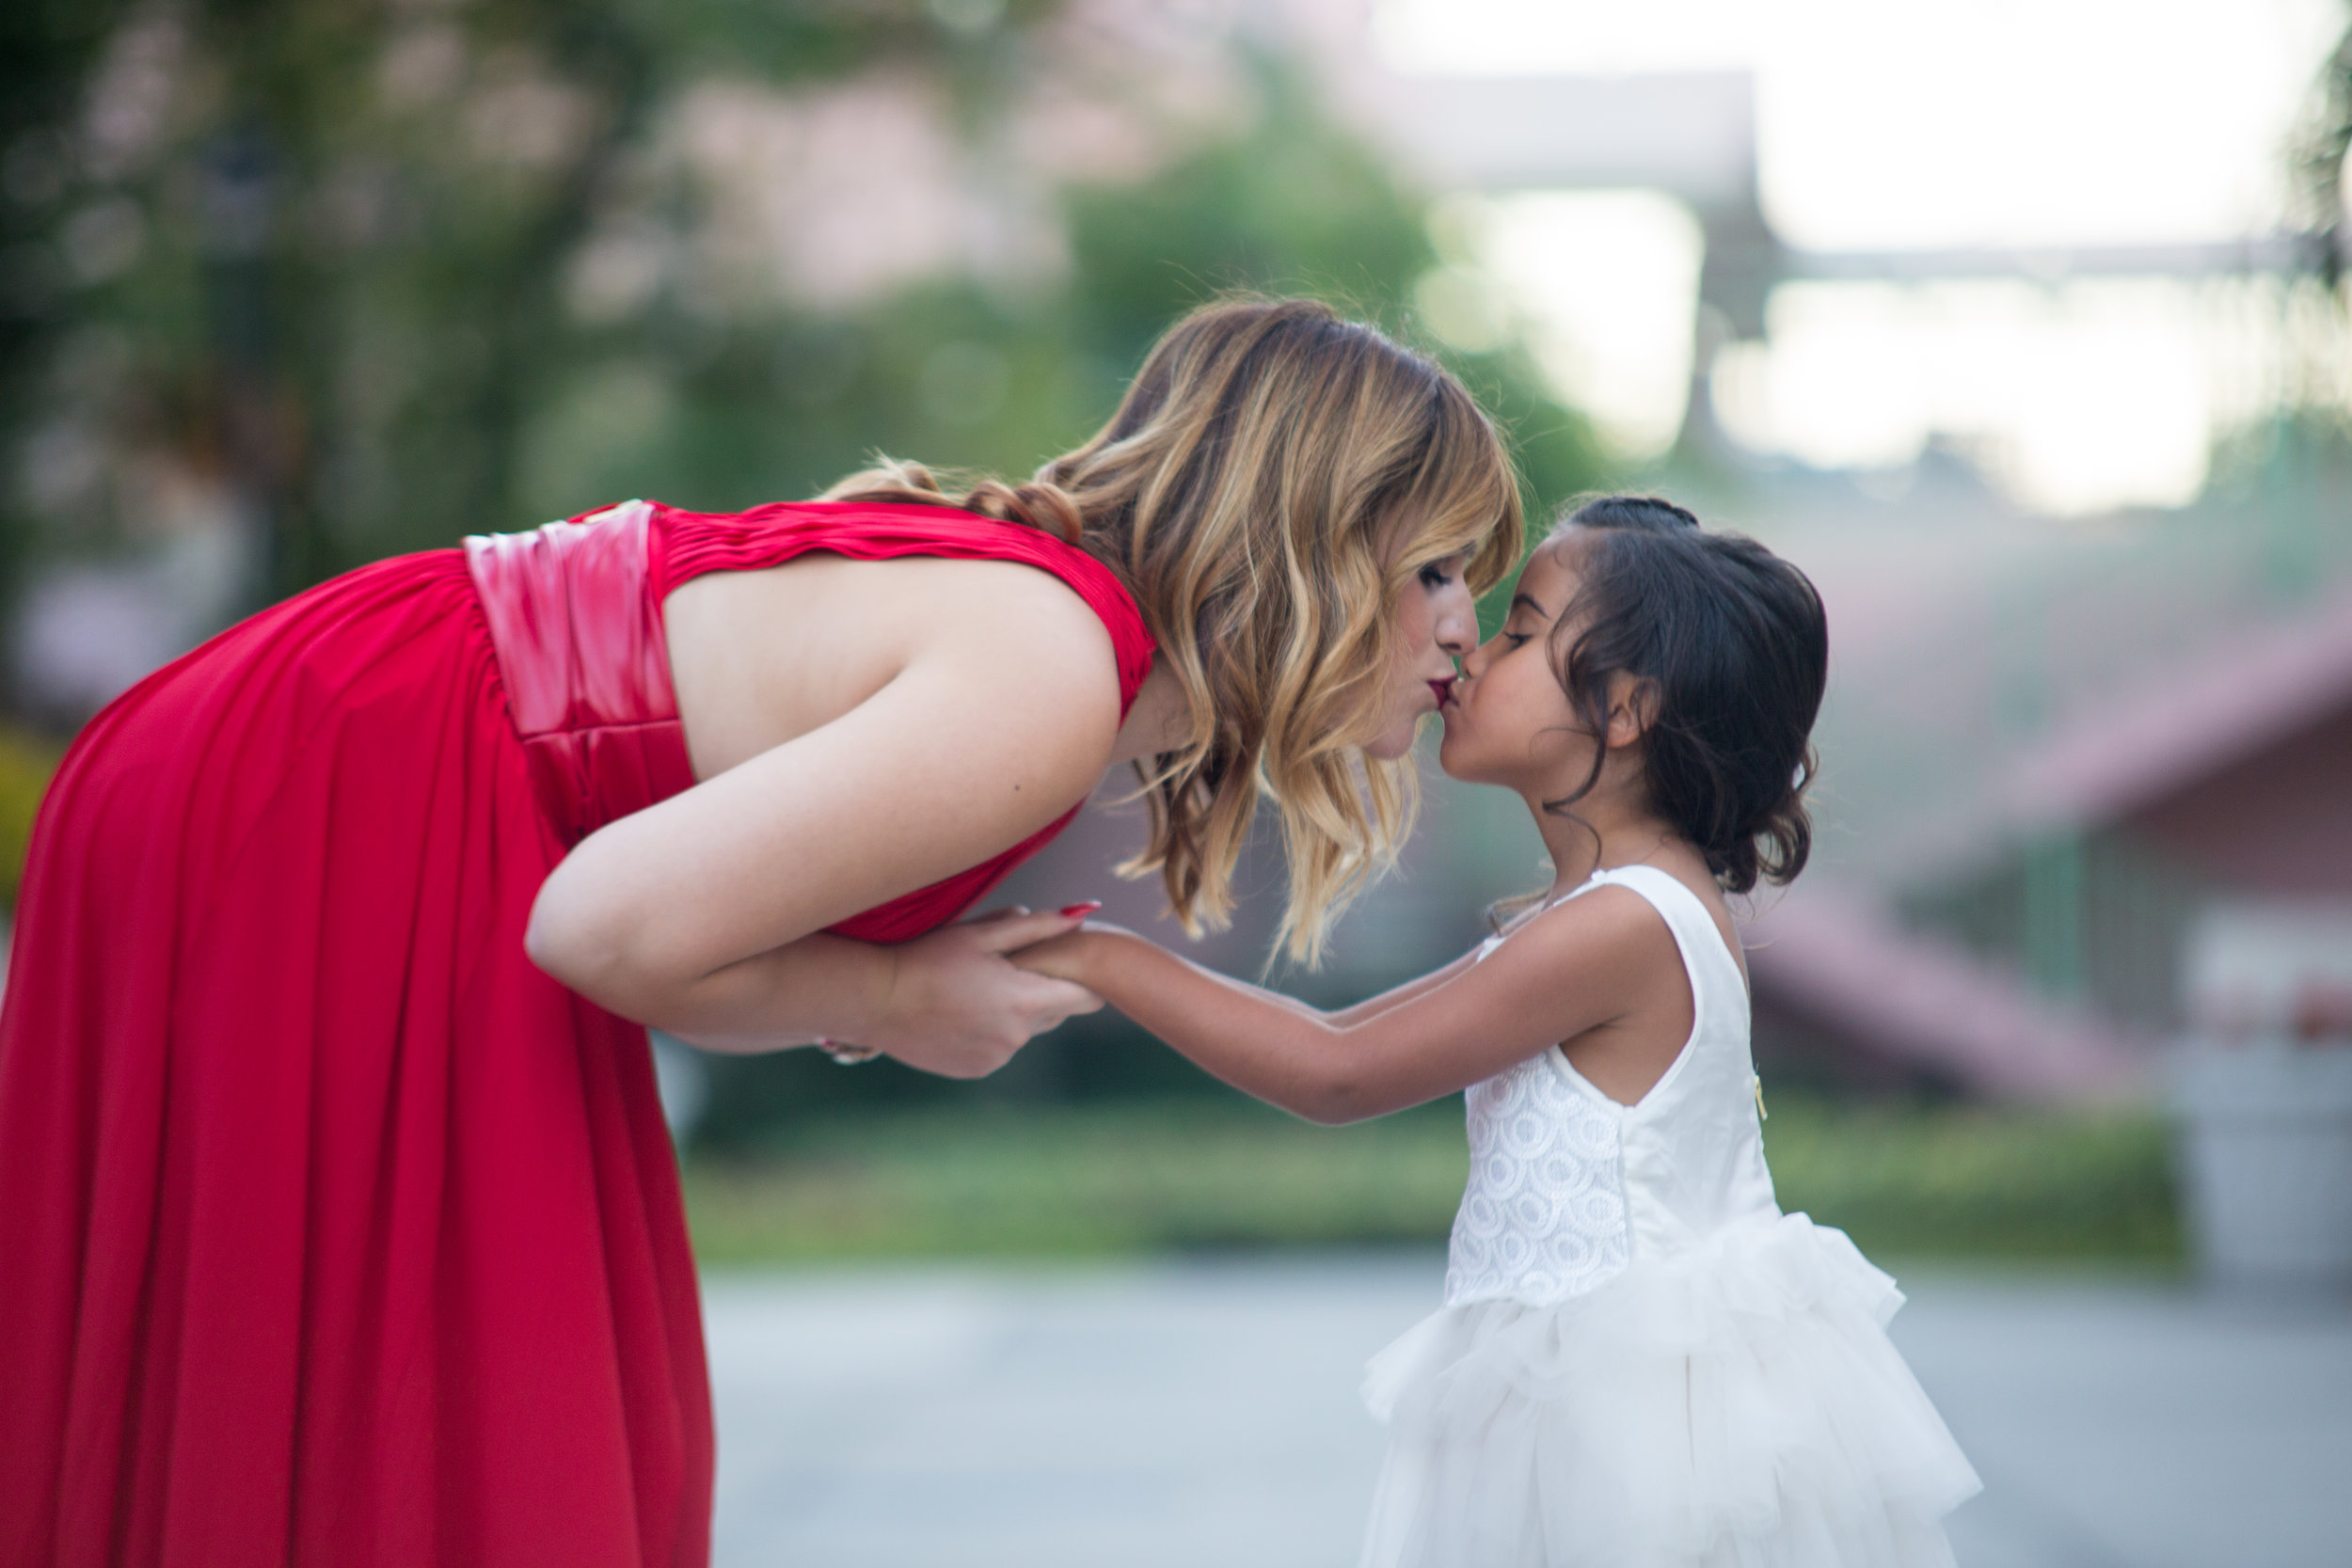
point(1458, 620)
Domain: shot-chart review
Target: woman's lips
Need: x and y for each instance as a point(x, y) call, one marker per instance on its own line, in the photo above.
point(1443, 691)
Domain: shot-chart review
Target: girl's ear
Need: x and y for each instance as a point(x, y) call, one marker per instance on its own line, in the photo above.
point(1632, 710)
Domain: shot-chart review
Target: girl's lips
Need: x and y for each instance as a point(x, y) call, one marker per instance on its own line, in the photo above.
point(1443, 689)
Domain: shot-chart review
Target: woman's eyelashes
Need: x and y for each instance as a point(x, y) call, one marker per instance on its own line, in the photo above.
point(1444, 573)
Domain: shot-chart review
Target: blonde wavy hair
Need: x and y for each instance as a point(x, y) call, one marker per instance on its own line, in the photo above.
point(1273, 479)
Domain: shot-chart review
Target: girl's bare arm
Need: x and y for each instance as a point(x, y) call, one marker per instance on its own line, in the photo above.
point(1583, 966)
point(1375, 1006)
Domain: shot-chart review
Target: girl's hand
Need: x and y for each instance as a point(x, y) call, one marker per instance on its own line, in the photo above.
point(1064, 956)
point(956, 1006)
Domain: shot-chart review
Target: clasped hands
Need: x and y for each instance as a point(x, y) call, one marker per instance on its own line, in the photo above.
point(963, 999)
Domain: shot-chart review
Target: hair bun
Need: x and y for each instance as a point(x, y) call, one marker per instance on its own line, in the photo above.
point(1040, 503)
point(1774, 844)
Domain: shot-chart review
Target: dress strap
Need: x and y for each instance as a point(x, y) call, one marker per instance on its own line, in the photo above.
point(688, 544)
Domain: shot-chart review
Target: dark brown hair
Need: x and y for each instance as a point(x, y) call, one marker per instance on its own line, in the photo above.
point(1732, 649)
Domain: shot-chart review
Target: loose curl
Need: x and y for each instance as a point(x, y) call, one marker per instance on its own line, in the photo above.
point(1731, 649)
point(1273, 477)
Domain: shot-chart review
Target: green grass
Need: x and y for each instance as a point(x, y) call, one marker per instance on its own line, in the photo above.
point(1957, 1182)
point(26, 764)
point(1980, 1183)
point(1124, 1179)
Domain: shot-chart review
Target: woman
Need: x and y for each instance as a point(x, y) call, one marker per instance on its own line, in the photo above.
point(340, 1226)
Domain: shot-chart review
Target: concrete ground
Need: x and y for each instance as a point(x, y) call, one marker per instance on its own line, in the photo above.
point(1204, 1413)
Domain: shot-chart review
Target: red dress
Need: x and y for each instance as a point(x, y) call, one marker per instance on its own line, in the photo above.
point(331, 1231)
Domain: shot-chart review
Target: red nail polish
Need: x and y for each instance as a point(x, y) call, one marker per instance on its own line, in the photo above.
point(1074, 910)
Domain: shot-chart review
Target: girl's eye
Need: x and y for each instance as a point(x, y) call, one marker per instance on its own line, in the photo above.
point(1516, 637)
point(1434, 576)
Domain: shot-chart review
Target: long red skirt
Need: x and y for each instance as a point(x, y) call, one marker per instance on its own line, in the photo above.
point(331, 1231)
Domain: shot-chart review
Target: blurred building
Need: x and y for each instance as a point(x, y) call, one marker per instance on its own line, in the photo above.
point(2053, 745)
point(2013, 853)
point(2044, 765)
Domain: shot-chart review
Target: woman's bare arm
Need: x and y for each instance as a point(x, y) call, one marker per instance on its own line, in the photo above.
point(1589, 964)
point(705, 914)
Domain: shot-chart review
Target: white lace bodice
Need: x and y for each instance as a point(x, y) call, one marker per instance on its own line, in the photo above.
point(1567, 1187)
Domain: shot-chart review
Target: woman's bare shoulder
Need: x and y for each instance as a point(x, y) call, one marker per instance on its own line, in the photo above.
point(762, 658)
point(991, 619)
point(901, 598)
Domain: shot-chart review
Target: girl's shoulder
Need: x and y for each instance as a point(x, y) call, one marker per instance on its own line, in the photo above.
point(1616, 900)
point(1685, 898)
point(1595, 923)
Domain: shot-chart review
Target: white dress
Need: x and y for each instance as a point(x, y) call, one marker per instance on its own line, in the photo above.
point(1640, 1360)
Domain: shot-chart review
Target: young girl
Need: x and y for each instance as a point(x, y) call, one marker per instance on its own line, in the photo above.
point(1641, 1359)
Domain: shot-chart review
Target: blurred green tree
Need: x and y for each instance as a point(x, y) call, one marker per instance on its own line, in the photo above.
point(2319, 162)
point(384, 275)
point(47, 52)
point(314, 251)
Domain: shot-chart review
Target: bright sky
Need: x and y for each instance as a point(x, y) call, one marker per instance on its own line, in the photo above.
point(1898, 124)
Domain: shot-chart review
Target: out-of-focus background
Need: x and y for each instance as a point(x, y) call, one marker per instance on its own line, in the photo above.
point(2021, 327)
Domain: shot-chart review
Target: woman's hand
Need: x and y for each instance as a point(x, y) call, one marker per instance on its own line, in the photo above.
point(956, 1007)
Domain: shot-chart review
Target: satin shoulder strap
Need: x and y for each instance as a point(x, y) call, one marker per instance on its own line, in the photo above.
point(579, 639)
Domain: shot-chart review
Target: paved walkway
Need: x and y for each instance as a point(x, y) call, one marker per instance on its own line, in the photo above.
point(1205, 1414)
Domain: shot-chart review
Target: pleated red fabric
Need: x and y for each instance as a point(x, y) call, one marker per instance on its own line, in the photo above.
point(332, 1232)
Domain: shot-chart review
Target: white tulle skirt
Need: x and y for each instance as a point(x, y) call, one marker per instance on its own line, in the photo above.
point(1735, 1406)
